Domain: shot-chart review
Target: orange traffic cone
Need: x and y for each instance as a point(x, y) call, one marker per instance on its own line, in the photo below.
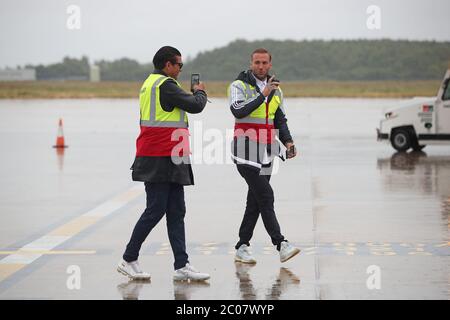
point(60, 137)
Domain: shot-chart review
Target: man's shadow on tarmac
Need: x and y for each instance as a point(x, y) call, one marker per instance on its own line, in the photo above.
point(284, 279)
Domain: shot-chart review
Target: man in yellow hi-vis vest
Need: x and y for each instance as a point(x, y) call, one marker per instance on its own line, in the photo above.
point(256, 101)
point(162, 162)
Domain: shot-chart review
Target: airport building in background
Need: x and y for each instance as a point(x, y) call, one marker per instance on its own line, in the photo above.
point(94, 73)
point(17, 74)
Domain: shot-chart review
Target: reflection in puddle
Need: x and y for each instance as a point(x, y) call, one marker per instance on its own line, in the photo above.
point(416, 169)
point(130, 290)
point(183, 290)
point(60, 155)
point(284, 280)
point(446, 212)
point(245, 282)
point(418, 172)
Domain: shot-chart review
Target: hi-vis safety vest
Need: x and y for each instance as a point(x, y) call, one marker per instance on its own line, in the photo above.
point(162, 133)
point(262, 118)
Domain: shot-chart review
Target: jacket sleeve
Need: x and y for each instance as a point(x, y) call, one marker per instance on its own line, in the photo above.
point(171, 96)
point(280, 123)
point(240, 105)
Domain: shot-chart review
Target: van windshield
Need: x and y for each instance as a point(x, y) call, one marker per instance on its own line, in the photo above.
point(446, 95)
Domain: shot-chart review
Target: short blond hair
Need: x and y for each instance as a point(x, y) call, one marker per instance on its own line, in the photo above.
point(261, 50)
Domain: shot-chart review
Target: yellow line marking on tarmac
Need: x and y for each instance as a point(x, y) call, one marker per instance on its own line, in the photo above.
point(418, 253)
point(445, 244)
point(16, 260)
point(8, 269)
point(75, 226)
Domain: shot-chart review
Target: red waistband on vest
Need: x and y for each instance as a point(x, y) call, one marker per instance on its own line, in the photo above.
point(162, 142)
point(262, 133)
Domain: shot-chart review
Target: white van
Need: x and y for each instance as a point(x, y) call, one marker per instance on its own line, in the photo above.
point(419, 121)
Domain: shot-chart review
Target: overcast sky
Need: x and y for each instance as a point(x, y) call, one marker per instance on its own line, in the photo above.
point(35, 31)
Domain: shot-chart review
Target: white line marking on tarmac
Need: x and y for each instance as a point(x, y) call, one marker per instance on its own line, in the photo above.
point(35, 249)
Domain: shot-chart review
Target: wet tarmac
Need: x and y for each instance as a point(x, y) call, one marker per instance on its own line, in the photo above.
point(371, 223)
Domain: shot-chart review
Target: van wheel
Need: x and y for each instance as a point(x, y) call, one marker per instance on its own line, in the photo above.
point(401, 140)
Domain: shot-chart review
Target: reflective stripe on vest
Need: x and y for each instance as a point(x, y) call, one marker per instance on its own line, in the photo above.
point(152, 113)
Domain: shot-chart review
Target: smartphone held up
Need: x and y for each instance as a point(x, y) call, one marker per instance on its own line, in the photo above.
point(195, 80)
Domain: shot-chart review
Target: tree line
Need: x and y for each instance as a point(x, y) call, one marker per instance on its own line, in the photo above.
point(292, 61)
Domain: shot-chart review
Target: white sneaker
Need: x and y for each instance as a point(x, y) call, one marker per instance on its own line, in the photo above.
point(287, 251)
point(132, 270)
point(188, 272)
point(244, 255)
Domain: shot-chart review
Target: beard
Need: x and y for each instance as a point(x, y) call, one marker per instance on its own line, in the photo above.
point(260, 77)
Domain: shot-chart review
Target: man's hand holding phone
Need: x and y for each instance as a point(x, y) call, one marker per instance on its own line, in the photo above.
point(291, 151)
point(200, 86)
point(195, 83)
point(272, 84)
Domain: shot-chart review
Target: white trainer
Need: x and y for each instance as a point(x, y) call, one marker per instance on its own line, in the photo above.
point(188, 272)
point(244, 255)
point(132, 270)
point(287, 251)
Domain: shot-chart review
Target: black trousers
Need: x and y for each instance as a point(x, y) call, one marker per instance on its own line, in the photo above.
point(162, 198)
point(260, 200)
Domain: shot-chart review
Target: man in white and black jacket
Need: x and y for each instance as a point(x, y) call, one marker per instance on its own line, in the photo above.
point(256, 101)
